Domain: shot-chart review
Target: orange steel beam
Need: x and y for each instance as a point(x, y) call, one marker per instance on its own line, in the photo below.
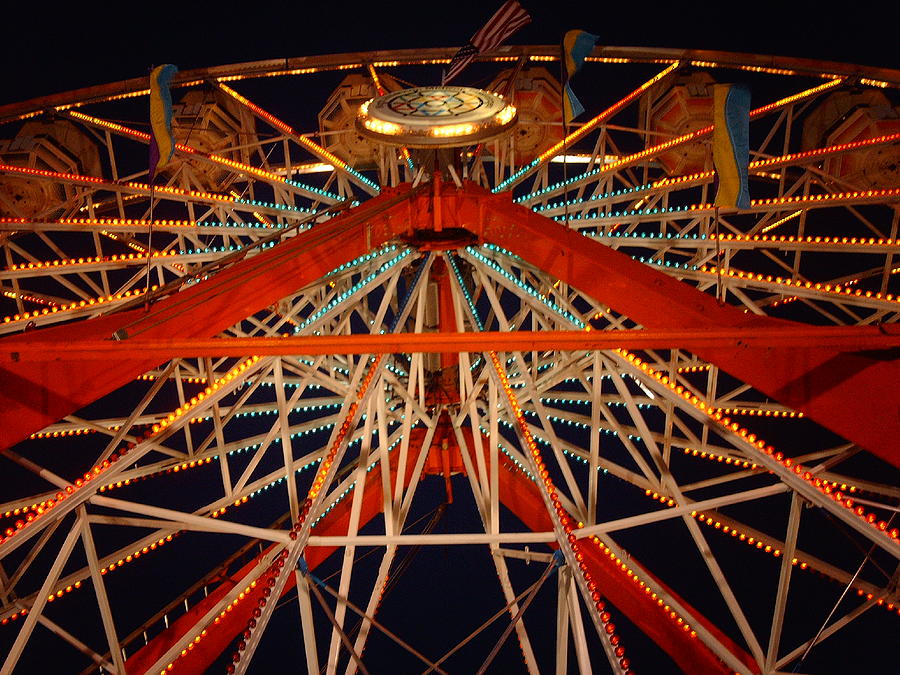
point(219, 636)
point(840, 390)
point(518, 494)
point(839, 338)
point(852, 393)
point(33, 395)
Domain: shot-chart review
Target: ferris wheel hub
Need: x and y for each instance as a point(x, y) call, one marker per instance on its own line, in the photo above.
point(436, 117)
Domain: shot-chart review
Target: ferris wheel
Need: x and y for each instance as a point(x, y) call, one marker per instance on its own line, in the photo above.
point(362, 331)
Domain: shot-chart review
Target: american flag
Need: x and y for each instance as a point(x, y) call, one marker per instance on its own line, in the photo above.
point(506, 21)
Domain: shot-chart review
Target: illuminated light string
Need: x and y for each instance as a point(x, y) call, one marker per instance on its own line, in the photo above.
point(701, 176)
point(753, 69)
point(728, 240)
point(760, 412)
point(356, 262)
point(68, 588)
point(604, 59)
point(193, 379)
point(160, 426)
point(571, 453)
point(242, 595)
point(874, 83)
point(728, 425)
point(660, 147)
point(344, 295)
point(713, 457)
point(324, 470)
point(756, 165)
point(710, 411)
point(780, 221)
point(59, 433)
point(127, 558)
point(371, 369)
point(315, 148)
point(308, 70)
point(761, 204)
point(126, 222)
point(563, 517)
point(95, 260)
point(761, 544)
point(145, 188)
point(77, 305)
point(293, 71)
point(841, 290)
point(130, 257)
point(694, 369)
point(724, 459)
point(62, 433)
point(583, 130)
point(19, 295)
point(542, 474)
point(218, 159)
point(534, 293)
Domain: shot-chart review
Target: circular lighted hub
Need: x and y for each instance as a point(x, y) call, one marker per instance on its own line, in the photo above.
point(435, 117)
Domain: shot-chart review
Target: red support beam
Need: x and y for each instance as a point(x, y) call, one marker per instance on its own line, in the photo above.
point(520, 495)
point(853, 394)
point(33, 395)
point(218, 638)
point(838, 338)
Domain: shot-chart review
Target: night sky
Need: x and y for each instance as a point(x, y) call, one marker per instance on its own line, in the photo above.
point(82, 44)
point(85, 44)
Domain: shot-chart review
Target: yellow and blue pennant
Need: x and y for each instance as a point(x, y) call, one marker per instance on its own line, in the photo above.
point(731, 144)
point(162, 141)
point(576, 45)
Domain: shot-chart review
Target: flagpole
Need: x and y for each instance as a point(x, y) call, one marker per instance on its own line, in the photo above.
point(149, 248)
point(720, 295)
point(160, 128)
point(563, 78)
point(152, 180)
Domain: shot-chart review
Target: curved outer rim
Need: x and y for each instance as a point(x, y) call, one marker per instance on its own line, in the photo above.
point(288, 66)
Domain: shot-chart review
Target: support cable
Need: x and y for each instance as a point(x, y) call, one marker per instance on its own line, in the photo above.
point(840, 599)
point(340, 598)
point(558, 561)
point(503, 610)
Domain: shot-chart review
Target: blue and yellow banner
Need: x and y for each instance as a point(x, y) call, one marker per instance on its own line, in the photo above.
point(576, 45)
point(572, 107)
point(162, 141)
point(731, 144)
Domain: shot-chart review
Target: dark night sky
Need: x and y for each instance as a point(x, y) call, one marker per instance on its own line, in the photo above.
point(51, 50)
point(48, 51)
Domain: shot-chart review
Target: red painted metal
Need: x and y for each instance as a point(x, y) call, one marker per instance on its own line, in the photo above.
point(839, 390)
point(221, 636)
point(838, 338)
point(853, 394)
point(520, 495)
point(33, 395)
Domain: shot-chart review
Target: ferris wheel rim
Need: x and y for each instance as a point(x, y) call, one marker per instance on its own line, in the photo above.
point(137, 86)
point(503, 55)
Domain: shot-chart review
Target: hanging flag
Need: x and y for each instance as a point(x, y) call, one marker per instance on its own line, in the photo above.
point(506, 21)
point(731, 144)
point(162, 142)
point(576, 45)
